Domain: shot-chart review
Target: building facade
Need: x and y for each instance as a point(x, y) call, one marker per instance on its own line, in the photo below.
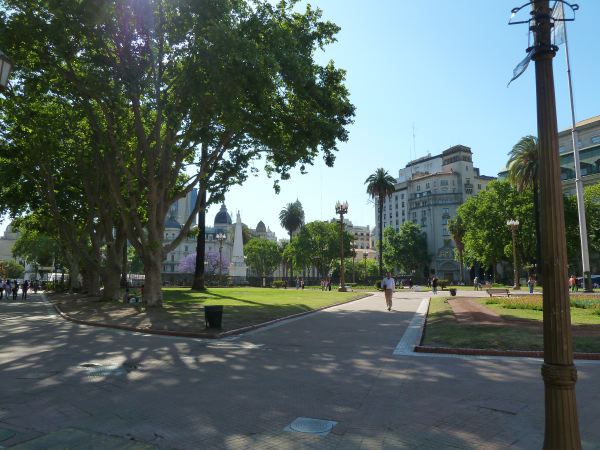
point(427, 192)
point(588, 136)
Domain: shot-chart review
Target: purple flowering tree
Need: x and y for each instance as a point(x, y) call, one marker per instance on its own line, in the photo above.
point(211, 267)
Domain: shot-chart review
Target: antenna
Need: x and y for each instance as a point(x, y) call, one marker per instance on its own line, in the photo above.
point(414, 143)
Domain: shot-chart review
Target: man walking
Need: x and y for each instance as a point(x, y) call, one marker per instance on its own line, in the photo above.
point(388, 284)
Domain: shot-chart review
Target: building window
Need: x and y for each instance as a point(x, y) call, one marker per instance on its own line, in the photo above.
point(596, 139)
point(479, 186)
point(426, 185)
point(444, 231)
point(418, 187)
point(445, 210)
point(186, 248)
point(173, 256)
point(402, 196)
point(444, 183)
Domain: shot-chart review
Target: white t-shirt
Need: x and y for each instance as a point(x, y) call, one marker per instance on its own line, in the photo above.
point(389, 283)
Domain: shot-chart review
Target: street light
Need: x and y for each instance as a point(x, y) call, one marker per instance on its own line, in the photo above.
point(220, 237)
point(558, 371)
point(5, 69)
point(341, 209)
point(514, 224)
point(365, 256)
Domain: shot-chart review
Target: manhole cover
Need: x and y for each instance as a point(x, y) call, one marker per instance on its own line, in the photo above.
point(311, 426)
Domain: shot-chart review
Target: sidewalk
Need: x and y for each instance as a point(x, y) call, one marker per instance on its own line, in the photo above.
point(244, 392)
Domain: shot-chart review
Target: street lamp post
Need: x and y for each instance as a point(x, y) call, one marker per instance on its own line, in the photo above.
point(561, 429)
point(220, 237)
point(5, 69)
point(365, 256)
point(514, 224)
point(341, 209)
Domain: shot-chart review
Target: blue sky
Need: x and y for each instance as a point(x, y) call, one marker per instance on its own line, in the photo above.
point(442, 66)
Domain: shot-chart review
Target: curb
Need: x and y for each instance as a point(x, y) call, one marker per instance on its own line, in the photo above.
point(190, 334)
point(484, 352)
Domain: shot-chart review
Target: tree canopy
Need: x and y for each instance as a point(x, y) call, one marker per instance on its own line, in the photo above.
point(262, 256)
point(127, 106)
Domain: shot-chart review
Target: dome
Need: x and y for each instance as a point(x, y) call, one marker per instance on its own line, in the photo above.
point(222, 217)
point(260, 227)
point(172, 223)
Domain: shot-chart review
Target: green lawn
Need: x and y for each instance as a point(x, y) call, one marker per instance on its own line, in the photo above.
point(250, 306)
point(523, 330)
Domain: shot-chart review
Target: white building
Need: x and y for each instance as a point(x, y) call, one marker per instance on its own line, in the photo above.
point(427, 192)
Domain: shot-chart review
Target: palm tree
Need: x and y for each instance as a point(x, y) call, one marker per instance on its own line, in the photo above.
point(457, 230)
point(523, 174)
point(380, 184)
point(291, 218)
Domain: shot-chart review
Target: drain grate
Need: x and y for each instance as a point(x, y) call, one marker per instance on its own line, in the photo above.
point(308, 425)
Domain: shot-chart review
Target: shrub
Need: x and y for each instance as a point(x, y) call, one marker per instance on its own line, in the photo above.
point(277, 284)
point(377, 285)
point(442, 283)
point(585, 303)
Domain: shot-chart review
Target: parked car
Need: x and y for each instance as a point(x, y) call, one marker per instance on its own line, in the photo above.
point(595, 281)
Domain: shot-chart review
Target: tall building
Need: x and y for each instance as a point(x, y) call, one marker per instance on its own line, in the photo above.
point(427, 192)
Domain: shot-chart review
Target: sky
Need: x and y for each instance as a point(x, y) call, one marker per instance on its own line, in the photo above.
point(439, 68)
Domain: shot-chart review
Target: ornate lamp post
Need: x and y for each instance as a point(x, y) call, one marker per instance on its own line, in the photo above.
point(220, 237)
point(5, 69)
point(561, 429)
point(365, 256)
point(341, 209)
point(514, 224)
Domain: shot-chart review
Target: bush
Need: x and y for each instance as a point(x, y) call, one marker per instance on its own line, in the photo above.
point(377, 285)
point(277, 284)
point(443, 283)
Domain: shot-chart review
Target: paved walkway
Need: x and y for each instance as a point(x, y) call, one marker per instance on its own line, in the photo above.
point(129, 390)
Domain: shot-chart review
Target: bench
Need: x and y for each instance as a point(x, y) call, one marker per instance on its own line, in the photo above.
point(499, 291)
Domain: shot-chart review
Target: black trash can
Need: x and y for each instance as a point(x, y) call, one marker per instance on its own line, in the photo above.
point(452, 291)
point(213, 316)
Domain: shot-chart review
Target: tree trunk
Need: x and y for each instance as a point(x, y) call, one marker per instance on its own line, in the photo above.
point(462, 266)
point(74, 283)
point(380, 236)
point(153, 283)
point(199, 279)
point(91, 279)
point(124, 266)
point(291, 263)
point(111, 279)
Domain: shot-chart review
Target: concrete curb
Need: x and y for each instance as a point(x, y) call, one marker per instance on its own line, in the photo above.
point(487, 352)
point(189, 334)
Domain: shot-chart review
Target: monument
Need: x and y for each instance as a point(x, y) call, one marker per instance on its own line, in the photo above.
point(237, 267)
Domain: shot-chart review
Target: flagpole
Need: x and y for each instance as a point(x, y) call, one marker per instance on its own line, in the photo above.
point(587, 280)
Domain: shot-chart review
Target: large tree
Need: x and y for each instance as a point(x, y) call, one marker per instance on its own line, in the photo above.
point(262, 256)
point(379, 186)
point(170, 85)
point(522, 174)
point(318, 244)
point(291, 217)
point(406, 249)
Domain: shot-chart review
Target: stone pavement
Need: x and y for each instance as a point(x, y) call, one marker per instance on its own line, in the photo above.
point(131, 390)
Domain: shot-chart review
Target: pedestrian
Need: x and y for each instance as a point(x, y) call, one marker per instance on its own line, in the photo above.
point(531, 283)
point(2, 287)
point(388, 285)
point(329, 284)
point(24, 290)
point(7, 289)
point(572, 283)
point(434, 284)
point(476, 283)
point(15, 289)
point(410, 283)
point(302, 283)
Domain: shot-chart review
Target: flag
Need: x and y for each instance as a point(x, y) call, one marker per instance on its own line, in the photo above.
point(521, 67)
point(558, 17)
